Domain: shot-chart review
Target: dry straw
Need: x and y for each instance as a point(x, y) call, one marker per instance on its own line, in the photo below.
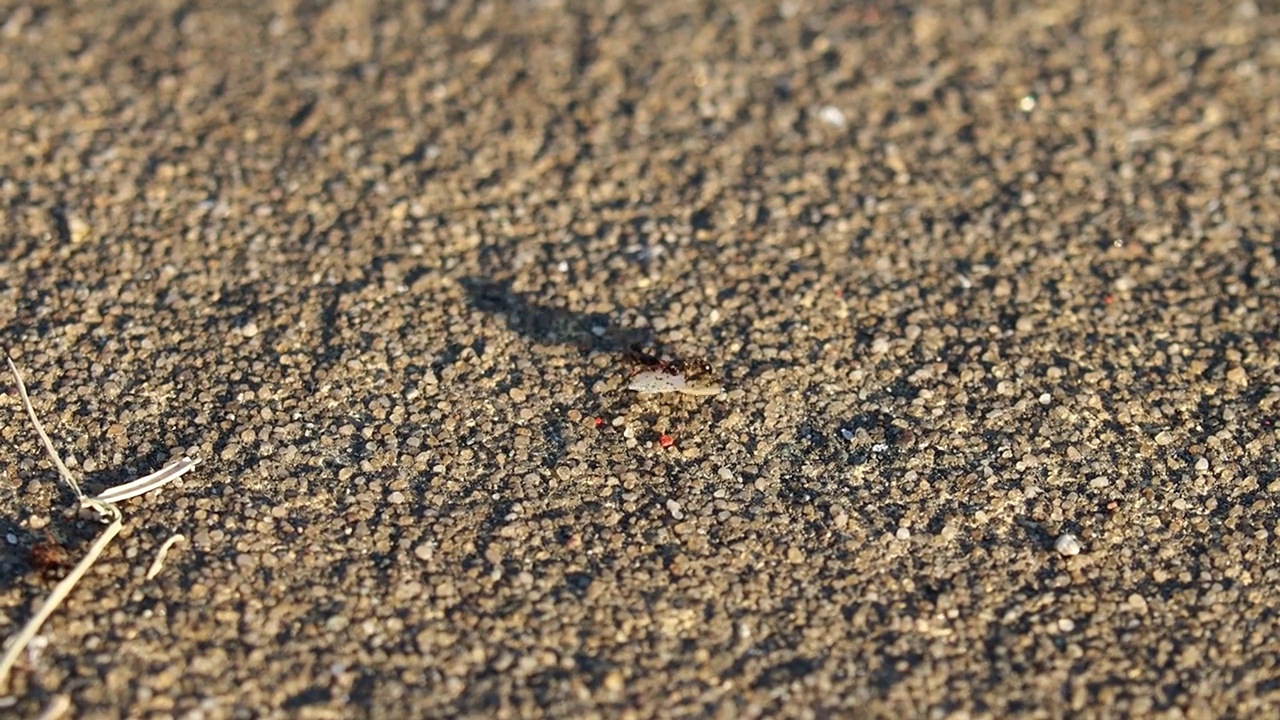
point(103, 505)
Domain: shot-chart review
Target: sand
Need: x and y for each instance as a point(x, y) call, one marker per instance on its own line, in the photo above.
point(992, 293)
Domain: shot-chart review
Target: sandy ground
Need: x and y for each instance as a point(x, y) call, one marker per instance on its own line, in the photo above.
point(976, 279)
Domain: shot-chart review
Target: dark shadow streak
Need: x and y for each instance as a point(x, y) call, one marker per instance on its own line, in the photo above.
point(548, 325)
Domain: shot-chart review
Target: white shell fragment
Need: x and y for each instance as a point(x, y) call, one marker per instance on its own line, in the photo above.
point(651, 382)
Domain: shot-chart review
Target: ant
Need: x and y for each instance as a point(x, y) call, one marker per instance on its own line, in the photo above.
point(49, 554)
point(696, 367)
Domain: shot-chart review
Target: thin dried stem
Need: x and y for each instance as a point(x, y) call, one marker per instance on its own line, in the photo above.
point(106, 509)
point(162, 553)
point(51, 603)
point(67, 477)
point(146, 484)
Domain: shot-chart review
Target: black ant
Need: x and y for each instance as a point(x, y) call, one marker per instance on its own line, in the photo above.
point(696, 367)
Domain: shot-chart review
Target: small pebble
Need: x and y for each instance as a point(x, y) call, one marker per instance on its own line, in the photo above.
point(1238, 376)
point(614, 681)
point(1067, 545)
point(831, 115)
point(79, 229)
point(840, 519)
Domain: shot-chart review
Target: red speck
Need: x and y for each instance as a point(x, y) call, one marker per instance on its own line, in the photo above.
point(1107, 300)
point(839, 292)
point(666, 440)
point(599, 421)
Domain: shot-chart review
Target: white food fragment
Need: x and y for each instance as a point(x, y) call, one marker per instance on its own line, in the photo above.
point(701, 390)
point(651, 382)
point(656, 381)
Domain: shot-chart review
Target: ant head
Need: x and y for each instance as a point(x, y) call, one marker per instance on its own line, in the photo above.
point(698, 366)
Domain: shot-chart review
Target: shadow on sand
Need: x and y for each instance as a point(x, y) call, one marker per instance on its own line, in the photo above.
point(547, 325)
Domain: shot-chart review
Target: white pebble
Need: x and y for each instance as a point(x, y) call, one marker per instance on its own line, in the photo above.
point(1067, 545)
point(673, 507)
point(903, 534)
point(1202, 464)
point(831, 115)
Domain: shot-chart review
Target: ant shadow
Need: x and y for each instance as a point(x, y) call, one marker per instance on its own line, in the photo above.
point(548, 325)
